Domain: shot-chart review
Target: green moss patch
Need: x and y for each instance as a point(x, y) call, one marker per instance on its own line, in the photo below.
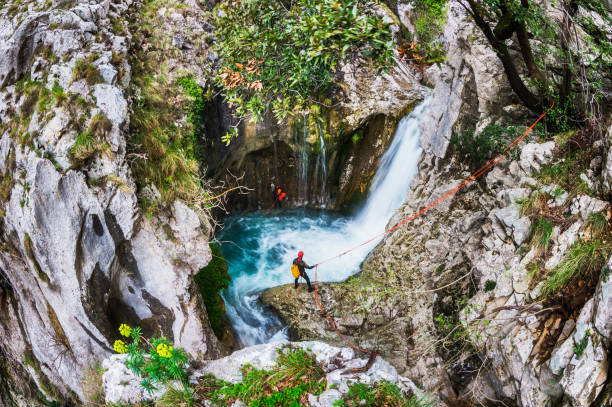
point(211, 280)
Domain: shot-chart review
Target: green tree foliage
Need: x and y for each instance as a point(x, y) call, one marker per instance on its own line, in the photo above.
point(426, 48)
point(283, 56)
point(538, 38)
point(212, 279)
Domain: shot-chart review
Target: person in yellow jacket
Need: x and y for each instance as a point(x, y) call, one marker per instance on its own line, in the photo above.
point(298, 270)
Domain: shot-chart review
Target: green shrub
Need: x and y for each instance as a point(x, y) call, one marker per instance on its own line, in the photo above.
point(287, 384)
point(430, 19)
point(155, 360)
point(283, 56)
point(197, 98)
point(490, 285)
point(211, 280)
point(480, 148)
point(378, 394)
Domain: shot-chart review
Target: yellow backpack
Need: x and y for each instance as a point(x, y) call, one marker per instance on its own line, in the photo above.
point(295, 270)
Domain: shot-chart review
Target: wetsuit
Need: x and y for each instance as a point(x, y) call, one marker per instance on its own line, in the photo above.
point(301, 266)
point(278, 204)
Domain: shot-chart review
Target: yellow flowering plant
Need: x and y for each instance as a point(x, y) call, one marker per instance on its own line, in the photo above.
point(156, 361)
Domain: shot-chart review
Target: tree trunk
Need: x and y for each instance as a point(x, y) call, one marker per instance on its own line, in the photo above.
point(516, 83)
point(523, 39)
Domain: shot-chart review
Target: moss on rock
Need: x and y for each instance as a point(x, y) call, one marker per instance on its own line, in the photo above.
point(211, 280)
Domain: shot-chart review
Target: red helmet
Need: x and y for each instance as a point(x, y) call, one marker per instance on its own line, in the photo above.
point(300, 255)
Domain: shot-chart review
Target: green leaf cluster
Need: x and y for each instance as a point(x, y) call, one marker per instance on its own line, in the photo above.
point(430, 20)
point(481, 147)
point(145, 360)
point(282, 56)
point(580, 346)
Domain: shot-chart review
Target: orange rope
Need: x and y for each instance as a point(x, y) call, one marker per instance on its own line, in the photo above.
point(438, 201)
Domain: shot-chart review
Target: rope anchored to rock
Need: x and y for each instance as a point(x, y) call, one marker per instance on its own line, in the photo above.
point(438, 201)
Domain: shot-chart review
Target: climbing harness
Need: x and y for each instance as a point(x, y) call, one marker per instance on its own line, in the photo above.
point(438, 201)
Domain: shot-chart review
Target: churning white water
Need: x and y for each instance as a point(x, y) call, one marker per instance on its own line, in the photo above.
point(260, 247)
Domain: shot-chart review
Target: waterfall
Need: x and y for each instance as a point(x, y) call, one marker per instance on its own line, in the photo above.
point(323, 160)
point(260, 247)
point(302, 160)
point(392, 180)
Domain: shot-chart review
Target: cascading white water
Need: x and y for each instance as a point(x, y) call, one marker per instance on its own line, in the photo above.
point(260, 247)
point(323, 161)
point(302, 156)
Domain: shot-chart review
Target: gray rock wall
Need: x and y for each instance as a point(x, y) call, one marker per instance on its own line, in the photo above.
point(77, 256)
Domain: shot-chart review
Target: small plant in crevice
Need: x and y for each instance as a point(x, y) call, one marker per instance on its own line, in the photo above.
point(195, 107)
point(480, 147)
point(156, 361)
point(542, 231)
point(91, 385)
point(490, 285)
point(92, 141)
point(86, 146)
point(597, 223)
point(580, 346)
point(84, 69)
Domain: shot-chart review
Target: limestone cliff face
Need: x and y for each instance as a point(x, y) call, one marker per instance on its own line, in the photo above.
point(465, 269)
point(77, 256)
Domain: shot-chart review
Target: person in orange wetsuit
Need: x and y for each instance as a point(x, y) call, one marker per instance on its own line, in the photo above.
point(278, 195)
point(301, 266)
